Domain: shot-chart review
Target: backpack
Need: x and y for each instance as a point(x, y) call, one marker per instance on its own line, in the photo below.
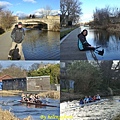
point(80, 45)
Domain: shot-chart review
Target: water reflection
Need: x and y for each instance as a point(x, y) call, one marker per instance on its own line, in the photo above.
point(41, 45)
point(110, 42)
point(22, 111)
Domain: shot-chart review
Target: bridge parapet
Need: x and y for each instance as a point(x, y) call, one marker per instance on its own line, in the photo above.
point(49, 20)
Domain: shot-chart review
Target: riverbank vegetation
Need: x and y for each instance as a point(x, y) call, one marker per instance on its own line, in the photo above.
point(6, 20)
point(7, 115)
point(10, 92)
point(91, 78)
point(51, 94)
point(107, 18)
point(66, 31)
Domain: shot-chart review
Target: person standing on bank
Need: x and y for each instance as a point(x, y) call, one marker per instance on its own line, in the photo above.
point(17, 36)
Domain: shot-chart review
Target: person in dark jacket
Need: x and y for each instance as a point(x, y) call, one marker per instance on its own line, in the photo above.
point(82, 38)
point(84, 45)
point(17, 36)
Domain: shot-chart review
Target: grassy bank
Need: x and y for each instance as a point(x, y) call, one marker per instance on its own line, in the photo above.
point(50, 94)
point(7, 115)
point(63, 33)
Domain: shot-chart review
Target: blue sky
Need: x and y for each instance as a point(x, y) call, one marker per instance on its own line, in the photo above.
point(29, 6)
point(89, 5)
point(24, 64)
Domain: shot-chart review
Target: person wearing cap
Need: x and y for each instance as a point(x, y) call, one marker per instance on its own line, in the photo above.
point(17, 36)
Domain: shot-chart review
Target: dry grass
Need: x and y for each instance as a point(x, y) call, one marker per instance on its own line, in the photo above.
point(10, 92)
point(7, 115)
point(51, 94)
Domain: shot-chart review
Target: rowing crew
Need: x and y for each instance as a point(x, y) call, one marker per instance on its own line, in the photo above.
point(33, 98)
point(90, 99)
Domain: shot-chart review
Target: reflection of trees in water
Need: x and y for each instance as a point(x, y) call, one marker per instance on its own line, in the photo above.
point(101, 37)
point(107, 39)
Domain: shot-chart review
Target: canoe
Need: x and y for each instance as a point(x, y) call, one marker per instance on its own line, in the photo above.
point(37, 104)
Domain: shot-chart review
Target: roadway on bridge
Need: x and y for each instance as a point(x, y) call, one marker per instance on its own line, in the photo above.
point(69, 49)
point(5, 45)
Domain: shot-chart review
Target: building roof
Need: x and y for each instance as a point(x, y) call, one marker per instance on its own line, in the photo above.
point(5, 77)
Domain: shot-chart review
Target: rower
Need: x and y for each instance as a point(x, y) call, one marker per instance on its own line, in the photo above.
point(81, 102)
point(94, 98)
point(90, 99)
point(98, 97)
point(86, 99)
point(23, 97)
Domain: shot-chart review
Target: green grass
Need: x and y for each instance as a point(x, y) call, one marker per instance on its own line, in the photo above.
point(66, 90)
point(64, 33)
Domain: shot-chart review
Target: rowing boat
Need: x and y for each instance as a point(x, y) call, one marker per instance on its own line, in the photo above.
point(77, 105)
point(37, 104)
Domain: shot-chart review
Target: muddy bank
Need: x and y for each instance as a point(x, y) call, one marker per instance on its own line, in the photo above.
point(106, 110)
point(7, 115)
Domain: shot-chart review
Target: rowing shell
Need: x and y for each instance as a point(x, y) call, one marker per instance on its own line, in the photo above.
point(38, 104)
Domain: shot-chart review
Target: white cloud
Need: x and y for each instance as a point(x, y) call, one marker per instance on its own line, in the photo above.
point(41, 12)
point(32, 1)
point(4, 4)
point(86, 17)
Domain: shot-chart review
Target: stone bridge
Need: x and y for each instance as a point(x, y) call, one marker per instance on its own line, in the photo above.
point(50, 21)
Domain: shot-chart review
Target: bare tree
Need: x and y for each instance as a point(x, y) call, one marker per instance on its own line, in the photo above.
point(47, 10)
point(101, 16)
point(7, 19)
point(70, 10)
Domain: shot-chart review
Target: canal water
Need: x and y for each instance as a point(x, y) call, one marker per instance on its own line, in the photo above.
point(22, 111)
point(108, 41)
point(41, 45)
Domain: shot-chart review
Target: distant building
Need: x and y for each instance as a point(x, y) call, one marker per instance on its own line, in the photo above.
point(3, 78)
point(39, 83)
point(14, 84)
